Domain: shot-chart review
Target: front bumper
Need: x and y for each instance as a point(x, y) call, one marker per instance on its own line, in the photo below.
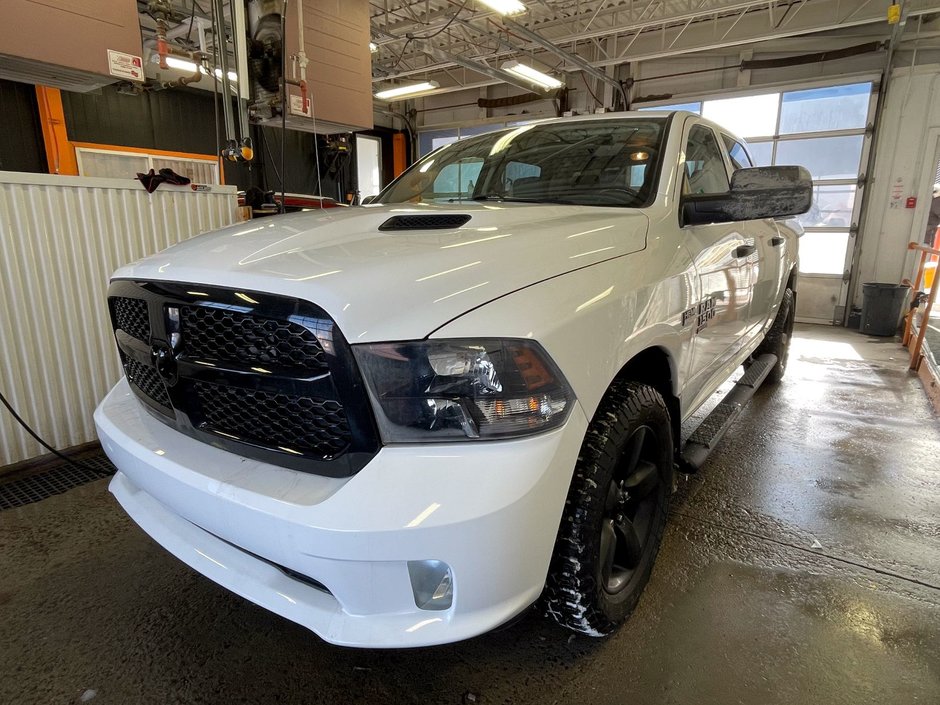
point(490, 510)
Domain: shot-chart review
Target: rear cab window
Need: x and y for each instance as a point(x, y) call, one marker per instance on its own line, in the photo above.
point(737, 153)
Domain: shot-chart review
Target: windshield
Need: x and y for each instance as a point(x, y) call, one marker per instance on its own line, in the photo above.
point(592, 163)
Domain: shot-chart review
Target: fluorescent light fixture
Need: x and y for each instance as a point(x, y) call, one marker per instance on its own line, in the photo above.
point(373, 47)
point(183, 65)
point(402, 91)
point(505, 7)
point(232, 76)
point(532, 75)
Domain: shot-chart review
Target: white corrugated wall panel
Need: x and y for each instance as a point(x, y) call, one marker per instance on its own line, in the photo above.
point(61, 237)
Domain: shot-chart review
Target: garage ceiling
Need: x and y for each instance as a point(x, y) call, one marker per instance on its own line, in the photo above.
point(429, 39)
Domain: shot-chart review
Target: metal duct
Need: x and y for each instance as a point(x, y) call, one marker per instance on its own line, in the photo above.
point(61, 237)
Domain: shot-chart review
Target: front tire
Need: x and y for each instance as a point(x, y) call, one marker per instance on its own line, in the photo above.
point(615, 512)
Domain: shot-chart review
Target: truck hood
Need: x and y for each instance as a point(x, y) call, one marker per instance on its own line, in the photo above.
point(396, 285)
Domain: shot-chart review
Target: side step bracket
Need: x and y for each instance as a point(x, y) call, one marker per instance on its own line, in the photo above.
point(704, 439)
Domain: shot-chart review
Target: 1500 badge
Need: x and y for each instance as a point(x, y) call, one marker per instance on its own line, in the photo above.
point(703, 312)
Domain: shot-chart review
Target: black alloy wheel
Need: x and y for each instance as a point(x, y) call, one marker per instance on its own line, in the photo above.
point(615, 512)
point(634, 495)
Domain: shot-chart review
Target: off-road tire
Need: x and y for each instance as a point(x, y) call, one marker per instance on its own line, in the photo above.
point(576, 593)
point(777, 340)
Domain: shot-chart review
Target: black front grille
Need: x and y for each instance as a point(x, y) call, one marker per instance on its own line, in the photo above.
point(223, 335)
point(146, 379)
point(425, 222)
point(265, 376)
point(296, 424)
point(131, 316)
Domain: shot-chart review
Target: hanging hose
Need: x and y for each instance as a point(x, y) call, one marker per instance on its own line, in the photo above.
point(38, 438)
point(283, 103)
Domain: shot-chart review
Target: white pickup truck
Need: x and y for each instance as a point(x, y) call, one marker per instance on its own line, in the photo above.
point(406, 423)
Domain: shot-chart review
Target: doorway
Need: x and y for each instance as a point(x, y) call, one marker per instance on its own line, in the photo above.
point(369, 165)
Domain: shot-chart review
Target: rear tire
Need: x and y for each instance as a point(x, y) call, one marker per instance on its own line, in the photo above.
point(615, 513)
point(777, 340)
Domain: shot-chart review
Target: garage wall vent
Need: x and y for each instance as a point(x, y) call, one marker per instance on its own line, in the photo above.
point(424, 222)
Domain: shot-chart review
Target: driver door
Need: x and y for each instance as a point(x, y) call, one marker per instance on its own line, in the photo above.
point(722, 254)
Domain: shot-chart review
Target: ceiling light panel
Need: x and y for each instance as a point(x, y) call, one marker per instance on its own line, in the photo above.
point(505, 7)
point(404, 91)
point(535, 76)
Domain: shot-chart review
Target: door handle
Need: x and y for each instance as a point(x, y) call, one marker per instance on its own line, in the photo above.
point(744, 251)
point(776, 241)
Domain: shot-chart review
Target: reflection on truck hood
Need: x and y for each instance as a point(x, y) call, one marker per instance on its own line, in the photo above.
point(401, 284)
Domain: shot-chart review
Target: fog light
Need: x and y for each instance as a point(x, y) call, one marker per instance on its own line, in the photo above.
point(432, 583)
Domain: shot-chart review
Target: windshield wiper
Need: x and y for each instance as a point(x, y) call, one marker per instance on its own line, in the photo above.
point(514, 199)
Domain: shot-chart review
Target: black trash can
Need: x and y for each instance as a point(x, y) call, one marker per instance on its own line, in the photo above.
point(881, 308)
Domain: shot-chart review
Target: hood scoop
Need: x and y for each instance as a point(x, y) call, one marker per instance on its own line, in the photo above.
point(425, 221)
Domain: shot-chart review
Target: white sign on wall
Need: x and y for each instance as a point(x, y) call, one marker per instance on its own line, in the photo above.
point(297, 106)
point(125, 65)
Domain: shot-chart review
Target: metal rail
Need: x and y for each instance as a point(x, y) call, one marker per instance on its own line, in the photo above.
point(925, 253)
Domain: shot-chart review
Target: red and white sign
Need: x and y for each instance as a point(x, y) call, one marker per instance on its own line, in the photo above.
point(125, 65)
point(297, 106)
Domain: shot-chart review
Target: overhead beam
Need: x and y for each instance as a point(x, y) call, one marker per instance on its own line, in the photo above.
point(548, 45)
point(479, 67)
point(721, 32)
point(749, 28)
point(654, 15)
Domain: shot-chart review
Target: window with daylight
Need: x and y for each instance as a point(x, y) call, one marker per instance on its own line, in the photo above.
point(117, 164)
point(691, 107)
point(429, 140)
point(747, 116)
point(822, 129)
point(825, 109)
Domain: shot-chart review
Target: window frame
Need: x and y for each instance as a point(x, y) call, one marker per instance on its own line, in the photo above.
point(742, 143)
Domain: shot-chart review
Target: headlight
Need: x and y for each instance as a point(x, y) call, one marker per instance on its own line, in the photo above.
point(451, 390)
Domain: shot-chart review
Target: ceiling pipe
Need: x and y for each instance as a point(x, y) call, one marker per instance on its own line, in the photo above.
point(162, 46)
point(582, 64)
point(220, 47)
point(195, 77)
point(481, 68)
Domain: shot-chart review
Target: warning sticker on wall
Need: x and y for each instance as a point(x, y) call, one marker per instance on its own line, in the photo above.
point(297, 106)
point(125, 65)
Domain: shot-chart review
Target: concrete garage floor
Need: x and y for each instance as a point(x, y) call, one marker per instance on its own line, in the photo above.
point(801, 566)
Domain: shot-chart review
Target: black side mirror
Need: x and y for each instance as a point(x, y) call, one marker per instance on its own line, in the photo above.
point(756, 193)
point(367, 200)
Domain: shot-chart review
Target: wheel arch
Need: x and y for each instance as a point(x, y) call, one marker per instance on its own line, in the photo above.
point(791, 280)
point(656, 367)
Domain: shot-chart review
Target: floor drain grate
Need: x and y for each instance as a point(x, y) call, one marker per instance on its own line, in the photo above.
point(57, 480)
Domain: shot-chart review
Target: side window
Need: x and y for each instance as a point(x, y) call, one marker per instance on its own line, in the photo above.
point(458, 178)
point(521, 170)
point(705, 171)
point(524, 180)
point(521, 179)
point(737, 153)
